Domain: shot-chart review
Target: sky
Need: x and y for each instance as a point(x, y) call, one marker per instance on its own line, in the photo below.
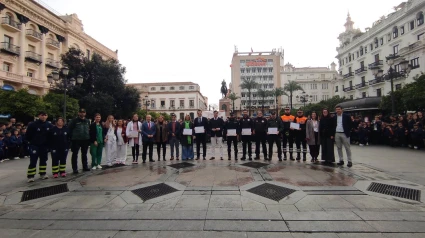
point(193, 40)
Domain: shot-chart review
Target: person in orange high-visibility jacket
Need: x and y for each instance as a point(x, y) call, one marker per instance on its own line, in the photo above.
point(300, 135)
point(288, 134)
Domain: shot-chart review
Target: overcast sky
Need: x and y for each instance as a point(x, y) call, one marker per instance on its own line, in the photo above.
point(170, 40)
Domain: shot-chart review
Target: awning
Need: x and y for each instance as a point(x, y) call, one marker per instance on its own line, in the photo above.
point(8, 88)
point(362, 104)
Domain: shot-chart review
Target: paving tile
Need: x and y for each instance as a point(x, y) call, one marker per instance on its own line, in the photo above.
point(391, 216)
point(200, 234)
point(333, 201)
point(243, 215)
point(314, 235)
point(193, 202)
point(136, 234)
point(171, 215)
point(101, 215)
point(329, 226)
point(226, 192)
point(94, 234)
point(308, 204)
point(165, 205)
point(225, 201)
point(164, 225)
point(53, 233)
point(35, 215)
point(197, 192)
point(219, 225)
point(398, 226)
point(382, 204)
point(320, 216)
point(25, 224)
point(115, 204)
point(137, 207)
point(356, 235)
point(403, 235)
point(94, 225)
point(251, 205)
point(269, 235)
point(282, 208)
point(82, 202)
point(13, 233)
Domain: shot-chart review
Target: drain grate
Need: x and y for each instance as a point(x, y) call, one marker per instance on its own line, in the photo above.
point(271, 191)
point(154, 191)
point(44, 192)
point(255, 165)
point(181, 165)
point(396, 191)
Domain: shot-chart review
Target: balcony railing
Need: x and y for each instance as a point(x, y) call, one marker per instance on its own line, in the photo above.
point(192, 106)
point(349, 75)
point(347, 89)
point(33, 34)
point(10, 22)
point(32, 56)
point(376, 63)
point(52, 43)
point(361, 70)
point(361, 85)
point(376, 81)
point(9, 48)
point(52, 63)
point(181, 107)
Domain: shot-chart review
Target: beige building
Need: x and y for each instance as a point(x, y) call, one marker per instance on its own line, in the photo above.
point(181, 98)
point(264, 67)
point(33, 38)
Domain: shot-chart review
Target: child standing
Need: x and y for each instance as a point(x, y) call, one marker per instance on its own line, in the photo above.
point(15, 145)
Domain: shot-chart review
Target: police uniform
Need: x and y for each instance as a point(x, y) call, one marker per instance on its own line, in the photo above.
point(300, 137)
point(232, 124)
point(246, 123)
point(59, 139)
point(260, 129)
point(287, 135)
point(275, 123)
point(37, 134)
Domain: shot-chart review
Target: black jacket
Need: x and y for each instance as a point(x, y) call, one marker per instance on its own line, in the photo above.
point(177, 132)
point(260, 126)
point(93, 132)
point(277, 123)
point(37, 133)
point(245, 123)
point(204, 123)
point(346, 123)
point(216, 123)
point(59, 138)
point(327, 127)
point(231, 124)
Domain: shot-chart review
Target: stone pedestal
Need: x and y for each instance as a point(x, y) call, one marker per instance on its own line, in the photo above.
point(225, 106)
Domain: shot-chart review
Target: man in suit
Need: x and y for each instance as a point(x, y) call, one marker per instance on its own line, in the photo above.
point(148, 131)
point(174, 136)
point(201, 122)
point(216, 126)
point(342, 134)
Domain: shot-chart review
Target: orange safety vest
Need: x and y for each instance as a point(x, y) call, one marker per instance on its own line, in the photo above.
point(287, 118)
point(301, 120)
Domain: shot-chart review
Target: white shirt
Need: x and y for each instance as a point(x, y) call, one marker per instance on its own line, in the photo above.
point(339, 127)
point(315, 126)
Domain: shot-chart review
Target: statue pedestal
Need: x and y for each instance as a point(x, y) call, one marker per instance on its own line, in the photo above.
point(225, 106)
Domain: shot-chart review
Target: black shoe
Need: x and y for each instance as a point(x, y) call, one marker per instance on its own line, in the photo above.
point(250, 158)
point(75, 172)
point(144, 161)
point(312, 160)
point(221, 158)
point(291, 158)
point(257, 158)
point(304, 159)
point(280, 159)
point(243, 158)
point(298, 158)
point(285, 159)
point(164, 159)
point(197, 158)
point(230, 158)
point(151, 160)
point(340, 163)
point(212, 158)
point(349, 164)
point(236, 158)
point(205, 158)
point(86, 169)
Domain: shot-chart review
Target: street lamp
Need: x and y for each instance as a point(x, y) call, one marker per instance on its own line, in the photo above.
point(304, 98)
point(55, 77)
point(147, 103)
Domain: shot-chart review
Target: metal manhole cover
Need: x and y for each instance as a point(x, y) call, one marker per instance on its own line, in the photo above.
point(271, 191)
point(396, 191)
point(154, 191)
point(255, 165)
point(44, 192)
point(181, 165)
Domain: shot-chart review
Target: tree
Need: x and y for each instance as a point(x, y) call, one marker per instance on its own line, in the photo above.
point(54, 105)
point(20, 104)
point(330, 104)
point(276, 93)
point(263, 94)
point(233, 96)
point(249, 84)
point(223, 89)
point(291, 87)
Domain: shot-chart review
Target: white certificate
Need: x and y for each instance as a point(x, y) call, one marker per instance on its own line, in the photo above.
point(295, 126)
point(199, 129)
point(187, 132)
point(133, 134)
point(246, 131)
point(231, 132)
point(273, 130)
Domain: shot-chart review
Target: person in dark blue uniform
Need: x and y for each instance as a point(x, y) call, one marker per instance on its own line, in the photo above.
point(37, 134)
point(260, 134)
point(59, 140)
point(245, 129)
point(232, 124)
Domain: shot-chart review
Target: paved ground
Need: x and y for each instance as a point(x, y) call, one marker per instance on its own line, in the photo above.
point(213, 199)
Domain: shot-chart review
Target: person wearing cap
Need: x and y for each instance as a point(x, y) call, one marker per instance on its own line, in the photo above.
point(287, 134)
point(80, 139)
point(274, 122)
point(246, 124)
point(37, 135)
point(174, 134)
point(260, 135)
point(300, 135)
point(232, 124)
point(216, 125)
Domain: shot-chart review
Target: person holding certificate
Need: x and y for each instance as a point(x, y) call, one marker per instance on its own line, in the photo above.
point(201, 127)
point(148, 131)
point(287, 135)
point(245, 129)
point(300, 134)
point(216, 126)
point(187, 138)
point(260, 133)
point(274, 131)
point(231, 128)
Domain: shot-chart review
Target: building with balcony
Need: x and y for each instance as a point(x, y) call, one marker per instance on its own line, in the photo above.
point(264, 67)
point(180, 98)
point(400, 34)
point(33, 38)
point(317, 82)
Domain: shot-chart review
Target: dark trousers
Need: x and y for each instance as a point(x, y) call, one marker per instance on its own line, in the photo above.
point(36, 152)
point(246, 141)
point(75, 147)
point(231, 139)
point(287, 138)
point(147, 144)
point(15, 151)
point(315, 149)
point(135, 152)
point(59, 160)
point(300, 140)
point(272, 139)
point(158, 149)
point(200, 138)
point(260, 139)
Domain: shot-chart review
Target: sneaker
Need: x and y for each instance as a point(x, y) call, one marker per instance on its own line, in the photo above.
point(55, 176)
point(1, 161)
point(94, 168)
point(367, 144)
point(415, 147)
point(63, 175)
point(109, 164)
point(43, 177)
point(340, 163)
point(99, 167)
point(16, 158)
point(361, 145)
point(30, 180)
point(135, 162)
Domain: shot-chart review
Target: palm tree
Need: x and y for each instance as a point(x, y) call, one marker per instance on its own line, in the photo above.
point(277, 92)
point(263, 94)
point(233, 96)
point(249, 84)
point(291, 87)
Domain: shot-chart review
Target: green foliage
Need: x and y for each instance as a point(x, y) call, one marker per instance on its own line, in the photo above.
point(233, 96)
point(142, 115)
point(53, 103)
point(249, 84)
point(291, 87)
point(263, 94)
point(329, 104)
point(20, 104)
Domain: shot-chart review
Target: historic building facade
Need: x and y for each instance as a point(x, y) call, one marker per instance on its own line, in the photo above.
point(181, 98)
point(400, 34)
point(33, 38)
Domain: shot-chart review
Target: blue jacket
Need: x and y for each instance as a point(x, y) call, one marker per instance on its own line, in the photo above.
point(2, 146)
point(15, 141)
point(146, 131)
point(346, 123)
point(37, 133)
point(59, 138)
point(177, 132)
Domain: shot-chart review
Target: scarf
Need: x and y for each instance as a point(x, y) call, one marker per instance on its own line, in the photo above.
point(187, 126)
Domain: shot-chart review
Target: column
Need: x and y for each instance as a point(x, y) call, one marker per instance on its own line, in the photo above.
point(42, 74)
point(21, 60)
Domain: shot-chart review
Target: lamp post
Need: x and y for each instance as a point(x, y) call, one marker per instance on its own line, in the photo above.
point(147, 103)
point(55, 76)
point(304, 98)
point(405, 70)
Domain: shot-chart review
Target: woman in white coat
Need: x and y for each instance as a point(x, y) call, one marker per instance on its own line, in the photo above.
point(120, 132)
point(133, 132)
point(111, 141)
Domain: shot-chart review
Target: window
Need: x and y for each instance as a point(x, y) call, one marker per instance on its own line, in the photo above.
point(270, 70)
point(397, 68)
point(248, 71)
point(378, 92)
point(181, 88)
point(414, 63)
point(171, 88)
point(349, 57)
point(362, 65)
point(351, 97)
point(336, 88)
point(7, 67)
point(412, 25)
point(88, 54)
point(8, 40)
point(153, 88)
point(395, 50)
point(325, 85)
point(395, 32)
point(322, 76)
point(253, 70)
point(191, 103)
point(31, 73)
point(181, 103)
point(376, 43)
point(172, 103)
point(363, 80)
point(389, 37)
point(182, 115)
point(162, 88)
point(350, 83)
point(376, 57)
point(421, 36)
point(314, 98)
point(325, 97)
point(191, 87)
point(358, 54)
point(313, 86)
point(361, 50)
point(398, 86)
point(153, 103)
point(50, 56)
point(363, 94)
point(365, 50)
point(192, 115)
point(349, 70)
point(242, 71)
point(401, 30)
point(371, 47)
point(420, 18)
point(162, 103)
point(381, 41)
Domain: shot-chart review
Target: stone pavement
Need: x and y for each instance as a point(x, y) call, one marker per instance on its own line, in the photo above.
point(213, 199)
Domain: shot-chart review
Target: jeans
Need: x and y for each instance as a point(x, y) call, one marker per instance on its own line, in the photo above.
point(174, 143)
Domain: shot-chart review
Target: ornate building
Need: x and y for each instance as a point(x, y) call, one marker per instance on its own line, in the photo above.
point(33, 38)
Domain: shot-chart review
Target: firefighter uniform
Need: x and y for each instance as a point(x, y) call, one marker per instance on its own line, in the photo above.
point(232, 124)
point(272, 139)
point(59, 145)
point(300, 136)
point(246, 123)
point(260, 129)
point(287, 134)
